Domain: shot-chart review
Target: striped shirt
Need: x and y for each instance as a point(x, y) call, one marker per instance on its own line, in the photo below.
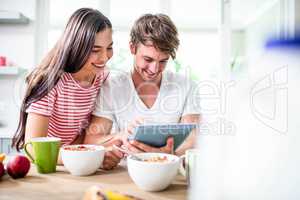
point(68, 106)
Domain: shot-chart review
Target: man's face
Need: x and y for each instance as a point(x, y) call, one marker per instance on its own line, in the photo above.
point(149, 62)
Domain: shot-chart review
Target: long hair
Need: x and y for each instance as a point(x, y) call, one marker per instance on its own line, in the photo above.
point(68, 55)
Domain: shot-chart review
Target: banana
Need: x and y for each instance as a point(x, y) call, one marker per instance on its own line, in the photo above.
point(98, 193)
point(2, 157)
point(116, 196)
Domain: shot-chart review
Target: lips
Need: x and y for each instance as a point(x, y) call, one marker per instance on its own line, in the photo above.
point(151, 77)
point(100, 66)
point(149, 74)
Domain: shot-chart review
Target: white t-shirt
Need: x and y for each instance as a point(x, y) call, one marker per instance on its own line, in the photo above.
point(119, 102)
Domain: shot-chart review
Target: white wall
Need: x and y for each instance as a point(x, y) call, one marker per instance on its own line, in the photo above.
point(17, 44)
point(261, 159)
point(258, 32)
point(17, 40)
point(297, 15)
point(11, 89)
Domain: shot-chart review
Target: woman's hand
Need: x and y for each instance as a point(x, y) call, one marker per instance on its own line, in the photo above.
point(112, 157)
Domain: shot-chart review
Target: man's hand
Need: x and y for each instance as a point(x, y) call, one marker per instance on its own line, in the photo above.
point(138, 147)
point(113, 157)
point(134, 124)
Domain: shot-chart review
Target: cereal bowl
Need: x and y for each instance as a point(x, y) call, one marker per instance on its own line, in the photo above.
point(82, 160)
point(154, 172)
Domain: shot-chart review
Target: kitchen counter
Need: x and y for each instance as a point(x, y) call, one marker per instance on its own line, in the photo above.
point(63, 185)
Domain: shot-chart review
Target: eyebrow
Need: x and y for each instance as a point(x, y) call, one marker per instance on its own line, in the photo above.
point(147, 57)
point(165, 59)
point(98, 46)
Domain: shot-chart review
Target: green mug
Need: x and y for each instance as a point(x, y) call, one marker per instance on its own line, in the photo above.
point(45, 150)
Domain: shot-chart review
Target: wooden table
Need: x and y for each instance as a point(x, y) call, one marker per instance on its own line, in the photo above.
point(63, 185)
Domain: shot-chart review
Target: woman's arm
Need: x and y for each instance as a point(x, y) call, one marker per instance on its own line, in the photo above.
point(37, 126)
point(98, 131)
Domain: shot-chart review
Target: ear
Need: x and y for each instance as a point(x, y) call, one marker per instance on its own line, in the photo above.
point(132, 48)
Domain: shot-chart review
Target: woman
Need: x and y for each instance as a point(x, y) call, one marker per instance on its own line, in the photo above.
point(61, 91)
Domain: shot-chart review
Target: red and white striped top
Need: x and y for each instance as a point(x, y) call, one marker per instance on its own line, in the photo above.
point(68, 106)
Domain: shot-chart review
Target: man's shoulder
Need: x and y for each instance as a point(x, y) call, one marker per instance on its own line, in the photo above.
point(173, 77)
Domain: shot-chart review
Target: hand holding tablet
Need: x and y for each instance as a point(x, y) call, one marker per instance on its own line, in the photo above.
point(156, 135)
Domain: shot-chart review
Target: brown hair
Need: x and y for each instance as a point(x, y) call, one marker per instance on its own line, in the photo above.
point(158, 29)
point(68, 55)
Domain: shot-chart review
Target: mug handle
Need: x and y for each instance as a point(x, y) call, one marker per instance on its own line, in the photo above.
point(182, 170)
point(27, 153)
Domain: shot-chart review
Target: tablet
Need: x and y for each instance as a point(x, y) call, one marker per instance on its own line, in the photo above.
point(156, 134)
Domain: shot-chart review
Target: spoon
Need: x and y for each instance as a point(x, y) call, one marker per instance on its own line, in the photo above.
point(126, 151)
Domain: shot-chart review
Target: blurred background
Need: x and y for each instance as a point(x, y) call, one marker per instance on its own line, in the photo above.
point(248, 92)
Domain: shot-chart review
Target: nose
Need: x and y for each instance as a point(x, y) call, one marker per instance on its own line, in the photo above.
point(153, 67)
point(104, 57)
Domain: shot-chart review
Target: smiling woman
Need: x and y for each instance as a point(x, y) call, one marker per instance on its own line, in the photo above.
point(94, 67)
point(61, 91)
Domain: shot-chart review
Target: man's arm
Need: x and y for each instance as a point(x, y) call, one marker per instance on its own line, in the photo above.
point(191, 139)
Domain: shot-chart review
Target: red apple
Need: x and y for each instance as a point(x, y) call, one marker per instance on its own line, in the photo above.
point(18, 166)
point(1, 169)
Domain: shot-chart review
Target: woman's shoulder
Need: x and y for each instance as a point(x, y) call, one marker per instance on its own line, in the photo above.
point(64, 83)
point(64, 78)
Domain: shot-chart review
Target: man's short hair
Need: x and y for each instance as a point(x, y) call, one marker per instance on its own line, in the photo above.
point(158, 29)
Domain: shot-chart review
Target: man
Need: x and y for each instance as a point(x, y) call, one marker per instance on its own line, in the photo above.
point(148, 92)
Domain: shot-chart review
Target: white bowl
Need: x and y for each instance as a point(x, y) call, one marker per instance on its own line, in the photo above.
point(84, 162)
point(153, 176)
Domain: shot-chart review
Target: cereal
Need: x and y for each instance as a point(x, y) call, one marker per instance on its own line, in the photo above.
point(156, 159)
point(79, 148)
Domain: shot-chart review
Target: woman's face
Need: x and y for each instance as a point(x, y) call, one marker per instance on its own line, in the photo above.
point(102, 51)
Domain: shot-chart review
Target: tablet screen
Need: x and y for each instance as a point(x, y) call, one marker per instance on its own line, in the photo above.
point(156, 134)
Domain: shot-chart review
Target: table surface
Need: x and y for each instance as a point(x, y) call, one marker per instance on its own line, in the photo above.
point(63, 185)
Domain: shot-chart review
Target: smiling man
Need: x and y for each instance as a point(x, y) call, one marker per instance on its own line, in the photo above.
point(149, 91)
